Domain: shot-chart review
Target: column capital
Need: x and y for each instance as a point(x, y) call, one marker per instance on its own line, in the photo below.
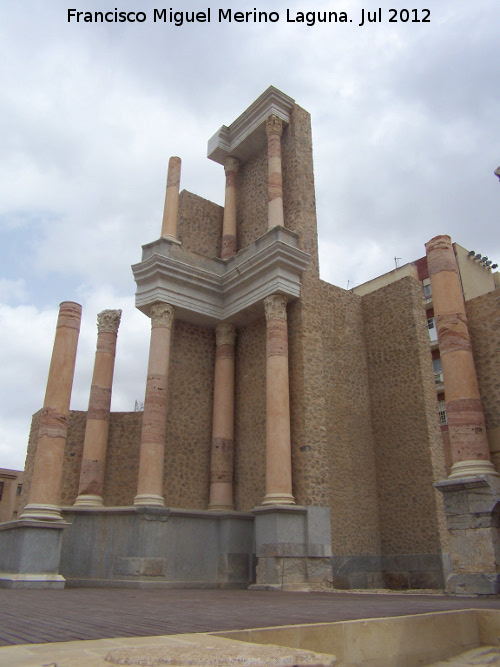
point(225, 334)
point(274, 125)
point(231, 164)
point(162, 315)
point(108, 321)
point(275, 307)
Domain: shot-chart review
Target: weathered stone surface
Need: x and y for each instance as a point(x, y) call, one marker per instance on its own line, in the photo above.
point(219, 652)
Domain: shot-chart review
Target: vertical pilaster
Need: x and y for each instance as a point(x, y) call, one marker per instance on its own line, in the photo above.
point(221, 462)
point(154, 420)
point(274, 129)
point(466, 425)
point(45, 491)
point(278, 444)
point(229, 237)
point(90, 491)
point(169, 223)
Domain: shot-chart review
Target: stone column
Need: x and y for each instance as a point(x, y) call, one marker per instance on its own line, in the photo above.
point(221, 462)
point(45, 491)
point(90, 491)
point(274, 129)
point(229, 241)
point(278, 446)
point(466, 425)
point(169, 224)
point(154, 419)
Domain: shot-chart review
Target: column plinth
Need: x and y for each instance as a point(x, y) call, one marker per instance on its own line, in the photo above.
point(221, 461)
point(93, 468)
point(466, 424)
point(274, 129)
point(154, 420)
point(169, 223)
point(229, 236)
point(45, 492)
point(278, 441)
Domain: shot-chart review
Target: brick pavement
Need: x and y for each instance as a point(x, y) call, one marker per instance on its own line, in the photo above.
point(31, 616)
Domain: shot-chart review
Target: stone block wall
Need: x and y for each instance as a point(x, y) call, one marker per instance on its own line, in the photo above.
point(199, 224)
point(408, 444)
point(483, 315)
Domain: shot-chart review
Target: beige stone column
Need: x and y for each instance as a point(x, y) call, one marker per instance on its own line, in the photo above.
point(278, 446)
point(229, 239)
point(274, 129)
point(169, 224)
point(466, 425)
point(221, 462)
point(45, 491)
point(90, 491)
point(154, 419)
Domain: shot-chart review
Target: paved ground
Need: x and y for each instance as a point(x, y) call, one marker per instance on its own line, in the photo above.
point(28, 616)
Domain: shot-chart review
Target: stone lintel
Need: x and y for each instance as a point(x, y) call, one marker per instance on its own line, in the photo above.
point(247, 134)
point(205, 290)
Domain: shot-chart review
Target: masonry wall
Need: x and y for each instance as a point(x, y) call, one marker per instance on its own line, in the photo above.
point(408, 443)
point(199, 223)
point(483, 315)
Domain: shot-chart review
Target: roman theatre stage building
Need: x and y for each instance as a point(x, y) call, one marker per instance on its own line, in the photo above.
point(290, 434)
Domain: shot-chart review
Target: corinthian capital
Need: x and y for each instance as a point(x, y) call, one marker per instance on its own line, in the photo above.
point(231, 164)
point(274, 125)
point(225, 334)
point(275, 307)
point(108, 321)
point(162, 315)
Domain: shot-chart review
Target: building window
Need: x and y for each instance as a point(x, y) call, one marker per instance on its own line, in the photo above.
point(431, 325)
point(438, 370)
point(443, 419)
point(427, 289)
point(19, 489)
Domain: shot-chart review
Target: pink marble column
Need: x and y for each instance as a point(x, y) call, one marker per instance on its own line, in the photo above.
point(278, 445)
point(90, 492)
point(45, 490)
point(169, 223)
point(274, 129)
point(229, 240)
point(466, 425)
point(154, 420)
point(221, 463)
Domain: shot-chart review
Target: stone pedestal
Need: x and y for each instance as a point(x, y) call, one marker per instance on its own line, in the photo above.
point(292, 546)
point(30, 552)
point(472, 508)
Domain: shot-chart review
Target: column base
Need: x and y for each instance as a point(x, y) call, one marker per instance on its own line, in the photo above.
point(472, 469)
point(278, 499)
point(42, 512)
point(146, 499)
point(36, 581)
point(88, 500)
point(215, 507)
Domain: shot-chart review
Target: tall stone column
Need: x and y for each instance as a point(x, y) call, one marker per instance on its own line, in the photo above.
point(278, 445)
point(154, 419)
point(45, 491)
point(221, 462)
point(90, 491)
point(229, 240)
point(169, 223)
point(274, 129)
point(466, 425)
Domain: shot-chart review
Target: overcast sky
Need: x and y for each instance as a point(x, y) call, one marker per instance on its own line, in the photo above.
point(405, 119)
